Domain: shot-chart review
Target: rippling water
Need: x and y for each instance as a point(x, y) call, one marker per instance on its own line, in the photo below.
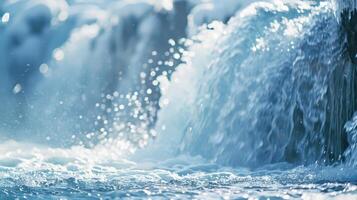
point(137, 100)
point(45, 173)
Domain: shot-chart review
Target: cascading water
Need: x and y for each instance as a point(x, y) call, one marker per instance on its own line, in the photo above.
point(58, 80)
point(135, 99)
point(278, 85)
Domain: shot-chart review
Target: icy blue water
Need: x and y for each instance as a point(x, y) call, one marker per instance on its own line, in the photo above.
point(44, 173)
point(137, 100)
point(174, 179)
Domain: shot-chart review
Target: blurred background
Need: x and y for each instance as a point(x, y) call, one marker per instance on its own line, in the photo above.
point(70, 68)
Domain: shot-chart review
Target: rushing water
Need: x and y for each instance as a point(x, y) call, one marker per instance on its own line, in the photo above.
point(135, 99)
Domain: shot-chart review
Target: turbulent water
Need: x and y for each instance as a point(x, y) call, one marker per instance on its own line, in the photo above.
point(178, 99)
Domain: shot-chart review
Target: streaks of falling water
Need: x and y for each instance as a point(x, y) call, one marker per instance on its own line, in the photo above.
point(277, 85)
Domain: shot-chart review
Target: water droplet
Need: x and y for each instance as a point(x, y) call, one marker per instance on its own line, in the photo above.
point(5, 18)
point(155, 82)
point(142, 75)
point(62, 16)
point(17, 88)
point(58, 54)
point(177, 56)
point(43, 69)
point(172, 42)
point(149, 91)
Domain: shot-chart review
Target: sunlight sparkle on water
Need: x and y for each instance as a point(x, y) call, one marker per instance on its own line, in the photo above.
point(5, 18)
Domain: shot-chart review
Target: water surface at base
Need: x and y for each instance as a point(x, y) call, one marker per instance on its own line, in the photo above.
point(45, 173)
point(194, 182)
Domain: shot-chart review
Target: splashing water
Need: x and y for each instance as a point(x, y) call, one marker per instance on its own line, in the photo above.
point(268, 89)
point(118, 105)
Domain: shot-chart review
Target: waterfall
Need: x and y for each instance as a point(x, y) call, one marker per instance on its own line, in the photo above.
point(276, 84)
point(68, 67)
point(258, 83)
point(74, 69)
point(178, 99)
